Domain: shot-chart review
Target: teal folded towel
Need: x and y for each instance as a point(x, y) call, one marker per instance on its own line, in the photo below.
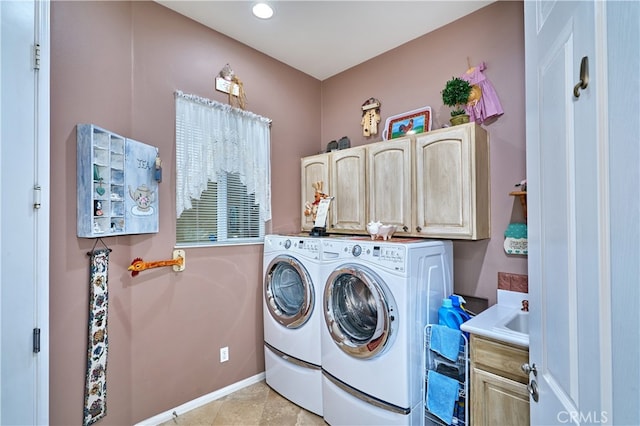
point(445, 341)
point(442, 394)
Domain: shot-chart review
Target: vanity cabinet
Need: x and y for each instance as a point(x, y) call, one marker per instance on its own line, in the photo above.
point(431, 185)
point(116, 189)
point(452, 183)
point(389, 166)
point(499, 394)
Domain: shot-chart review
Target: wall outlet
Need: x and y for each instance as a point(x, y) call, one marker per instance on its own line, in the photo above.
point(224, 354)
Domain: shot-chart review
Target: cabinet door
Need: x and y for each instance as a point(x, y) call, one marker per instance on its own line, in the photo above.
point(141, 204)
point(314, 169)
point(348, 209)
point(496, 400)
point(452, 183)
point(389, 183)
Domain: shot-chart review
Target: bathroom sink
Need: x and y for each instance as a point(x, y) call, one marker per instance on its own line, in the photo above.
point(519, 323)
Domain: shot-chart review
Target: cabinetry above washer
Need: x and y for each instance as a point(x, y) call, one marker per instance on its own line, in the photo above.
point(431, 185)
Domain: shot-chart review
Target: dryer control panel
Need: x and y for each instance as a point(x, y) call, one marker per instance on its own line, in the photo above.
point(305, 247)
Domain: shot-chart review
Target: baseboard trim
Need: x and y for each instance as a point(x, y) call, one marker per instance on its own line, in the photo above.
point(200, 401)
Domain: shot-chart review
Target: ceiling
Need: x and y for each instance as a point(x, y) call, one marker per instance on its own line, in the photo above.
point(324, 38)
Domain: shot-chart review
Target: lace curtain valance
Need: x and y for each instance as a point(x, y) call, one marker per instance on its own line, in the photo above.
point(211, 138)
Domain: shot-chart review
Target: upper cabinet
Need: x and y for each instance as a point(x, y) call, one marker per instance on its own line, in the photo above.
point(452, 183)
point(341, 175)
point(348, 187)
point(433, 185)
point(389, 183)
point(314, 169)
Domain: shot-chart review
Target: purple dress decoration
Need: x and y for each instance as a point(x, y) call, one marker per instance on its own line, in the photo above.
point(484, 102)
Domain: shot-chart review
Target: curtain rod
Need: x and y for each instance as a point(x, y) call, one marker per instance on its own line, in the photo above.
point(216, 104)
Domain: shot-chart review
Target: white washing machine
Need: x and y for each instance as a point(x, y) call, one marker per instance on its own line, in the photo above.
point(378, 296)
point(292, 313)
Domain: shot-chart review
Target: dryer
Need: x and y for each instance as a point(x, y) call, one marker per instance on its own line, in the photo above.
point(292, 314)
point(377, 298)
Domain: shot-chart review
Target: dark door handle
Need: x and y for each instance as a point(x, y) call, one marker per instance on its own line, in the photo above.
point(584, 77)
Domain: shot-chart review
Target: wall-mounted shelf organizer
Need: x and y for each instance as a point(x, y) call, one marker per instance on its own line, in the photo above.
point(457, 370)
point(117, 191)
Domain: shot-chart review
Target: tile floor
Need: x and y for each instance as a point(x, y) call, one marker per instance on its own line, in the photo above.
point(255, 405)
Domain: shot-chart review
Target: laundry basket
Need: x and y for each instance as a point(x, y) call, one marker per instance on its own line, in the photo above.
point(452, 378)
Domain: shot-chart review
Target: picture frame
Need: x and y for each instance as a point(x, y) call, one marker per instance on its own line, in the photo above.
point(410, 122)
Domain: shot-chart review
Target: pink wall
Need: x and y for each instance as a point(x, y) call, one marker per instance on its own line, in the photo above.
point(412, 76)
point(116, 64)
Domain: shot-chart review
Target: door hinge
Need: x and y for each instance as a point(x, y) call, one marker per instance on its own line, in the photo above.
point(36, 196)
point(36, 340)
point(36, 56)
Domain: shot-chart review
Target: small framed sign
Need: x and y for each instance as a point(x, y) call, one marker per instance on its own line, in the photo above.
point(321, 215)
point(408, 123)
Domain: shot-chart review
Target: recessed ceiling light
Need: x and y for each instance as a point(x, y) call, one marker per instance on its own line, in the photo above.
point(262, 10)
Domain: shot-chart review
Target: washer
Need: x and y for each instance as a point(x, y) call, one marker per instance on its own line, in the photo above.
point(292, 314)
point(377, 298)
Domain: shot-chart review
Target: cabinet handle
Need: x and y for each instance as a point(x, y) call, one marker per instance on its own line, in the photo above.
point(418, 229)
point(405, 228)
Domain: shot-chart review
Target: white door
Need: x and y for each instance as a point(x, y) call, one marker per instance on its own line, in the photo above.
point(24, 229)
point(567, 252)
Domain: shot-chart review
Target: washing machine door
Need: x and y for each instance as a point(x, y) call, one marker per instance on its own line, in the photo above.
point(359, 311)
point(288, 292)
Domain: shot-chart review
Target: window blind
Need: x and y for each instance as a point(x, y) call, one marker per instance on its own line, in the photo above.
point(223, 182)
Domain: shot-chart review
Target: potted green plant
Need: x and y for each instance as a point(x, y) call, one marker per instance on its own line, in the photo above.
point(455, 95)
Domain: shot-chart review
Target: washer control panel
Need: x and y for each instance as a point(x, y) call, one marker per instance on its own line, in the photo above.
point(389, 256)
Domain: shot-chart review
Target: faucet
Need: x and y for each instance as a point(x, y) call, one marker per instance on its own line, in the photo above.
point(525, 306)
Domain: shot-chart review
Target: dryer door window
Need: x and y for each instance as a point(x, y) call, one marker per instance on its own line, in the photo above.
point(358, 312)
point(288, 292)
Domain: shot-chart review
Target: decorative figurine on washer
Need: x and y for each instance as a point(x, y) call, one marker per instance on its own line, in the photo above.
point(318, 210)
point(311, 208)
point(379, 230)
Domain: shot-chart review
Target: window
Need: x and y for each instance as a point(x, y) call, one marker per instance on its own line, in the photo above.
point(225, 213)
point(223, 190)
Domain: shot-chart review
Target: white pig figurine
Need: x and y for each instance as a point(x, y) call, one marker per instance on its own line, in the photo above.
point(372, 229)
point(378, 230)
